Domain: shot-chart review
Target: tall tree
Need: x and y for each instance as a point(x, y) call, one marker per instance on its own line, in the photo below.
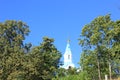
point(12, 34)
point(99, 37)
point(19, 61)
point(46, 59)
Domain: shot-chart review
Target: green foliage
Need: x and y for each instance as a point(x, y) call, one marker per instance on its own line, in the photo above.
point(100, 40)
point(77, 76)
point(46, 58)
point(18, 61)
point(101, 49)
point(12, 35)
point(66, 74)
point(61, 72)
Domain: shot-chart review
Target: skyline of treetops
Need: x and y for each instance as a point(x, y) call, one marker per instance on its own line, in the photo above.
point(99, 39)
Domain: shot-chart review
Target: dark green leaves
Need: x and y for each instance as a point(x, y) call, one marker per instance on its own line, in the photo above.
point(18, 61)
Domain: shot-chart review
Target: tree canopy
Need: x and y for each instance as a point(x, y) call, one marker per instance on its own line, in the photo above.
point(19, 61)
point(100, 41)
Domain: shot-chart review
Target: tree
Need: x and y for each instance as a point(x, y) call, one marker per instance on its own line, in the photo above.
point(45, 59)
point(19, 60)
point(12, 34)
point(98, 36)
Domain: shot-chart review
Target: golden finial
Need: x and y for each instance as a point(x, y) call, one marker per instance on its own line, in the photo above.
point(68, 40)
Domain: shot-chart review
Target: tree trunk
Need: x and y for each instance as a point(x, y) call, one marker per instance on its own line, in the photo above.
point(99, 74)
point(110, 71)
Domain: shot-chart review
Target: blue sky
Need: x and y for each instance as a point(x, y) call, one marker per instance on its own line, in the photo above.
point(58, 19)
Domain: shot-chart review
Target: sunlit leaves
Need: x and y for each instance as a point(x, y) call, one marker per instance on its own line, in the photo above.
point(102, 37)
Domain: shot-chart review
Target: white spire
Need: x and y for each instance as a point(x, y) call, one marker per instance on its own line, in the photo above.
point(68, 57)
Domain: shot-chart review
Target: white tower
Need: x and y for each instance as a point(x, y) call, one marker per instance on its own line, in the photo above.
point(68, 57)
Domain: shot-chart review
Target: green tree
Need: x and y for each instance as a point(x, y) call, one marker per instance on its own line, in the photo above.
point(46, 59)
point(40, 63)
point(99, 36)
point(18, 61)
point(12, 34)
